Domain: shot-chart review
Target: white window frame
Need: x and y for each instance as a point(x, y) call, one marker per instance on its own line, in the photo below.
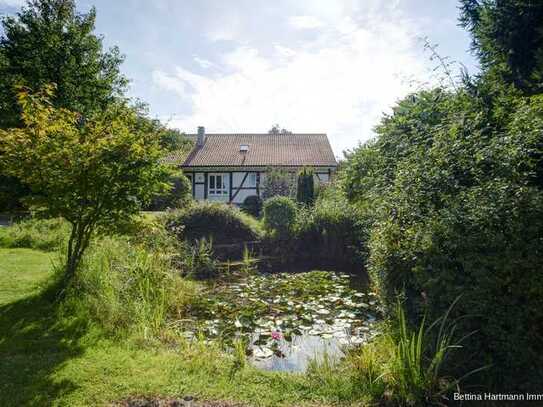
point(251, 180)
point(223, 190)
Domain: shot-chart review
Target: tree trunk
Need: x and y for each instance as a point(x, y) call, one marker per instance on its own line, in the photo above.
point(77, 244)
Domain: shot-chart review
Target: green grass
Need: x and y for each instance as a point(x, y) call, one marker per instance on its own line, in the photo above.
point(21, 272)
point(50, 356)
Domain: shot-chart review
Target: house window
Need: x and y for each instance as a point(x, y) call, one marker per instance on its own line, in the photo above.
point(217, 185)
point(252, 179)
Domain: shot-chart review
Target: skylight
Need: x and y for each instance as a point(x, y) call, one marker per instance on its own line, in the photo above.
point(244, 148)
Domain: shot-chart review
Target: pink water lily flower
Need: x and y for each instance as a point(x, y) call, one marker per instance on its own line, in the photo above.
point(276, 335)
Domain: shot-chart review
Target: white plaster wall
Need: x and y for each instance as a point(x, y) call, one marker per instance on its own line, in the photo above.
point(199, 177)
point(322, 177)
point(199, 192)
point(237, 178)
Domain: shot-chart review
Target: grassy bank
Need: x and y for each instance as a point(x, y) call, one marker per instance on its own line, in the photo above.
point(47, 361)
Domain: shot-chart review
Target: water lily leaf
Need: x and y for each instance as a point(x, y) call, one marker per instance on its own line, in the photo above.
point(261, 352)
point(323, 311)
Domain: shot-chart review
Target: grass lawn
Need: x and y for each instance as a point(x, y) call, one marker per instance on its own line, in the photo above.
point(48, 361)
point(21, 271)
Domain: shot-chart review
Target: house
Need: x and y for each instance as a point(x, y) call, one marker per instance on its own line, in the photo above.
point(232, 167)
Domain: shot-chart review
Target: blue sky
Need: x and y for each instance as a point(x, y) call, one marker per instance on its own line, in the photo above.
point(330, 66)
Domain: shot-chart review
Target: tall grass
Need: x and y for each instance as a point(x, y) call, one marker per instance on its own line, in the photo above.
point(403, 366)
point(199, 262)
point(41, 234)
point(124, 288)
point(418, 370)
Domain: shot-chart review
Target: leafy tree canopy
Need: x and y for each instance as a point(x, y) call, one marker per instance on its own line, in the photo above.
point(94, 173)
point(276, 129)
point(48, 41)
point(508, 38)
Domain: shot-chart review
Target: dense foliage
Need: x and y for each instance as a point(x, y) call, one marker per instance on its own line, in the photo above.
point(305, 192)
point(280, 216)
point(94, 173)
point(48, 41)
point(508, 39)
point(179, 194)
point(127, 288)
point(278, 182)
point(220, 223)
point(452, 185)
point(332, 234)
point(252, 205)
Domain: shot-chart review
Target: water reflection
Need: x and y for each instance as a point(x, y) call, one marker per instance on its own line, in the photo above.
point(299, 352)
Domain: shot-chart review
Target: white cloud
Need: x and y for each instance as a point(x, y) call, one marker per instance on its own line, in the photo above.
point(340, 83)
point(13, 3)
point(305, 22)
point(204, 63)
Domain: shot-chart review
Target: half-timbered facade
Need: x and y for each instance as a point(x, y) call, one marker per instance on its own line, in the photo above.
point(232, 167)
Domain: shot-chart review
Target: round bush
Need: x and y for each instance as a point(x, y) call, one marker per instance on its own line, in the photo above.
point(280, 215)
point(178, 196)
point(252, 205)
point(219, 222)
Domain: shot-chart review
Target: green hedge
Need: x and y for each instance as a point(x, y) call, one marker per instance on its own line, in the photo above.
point(221, 223)
point(280, 216)
point(332, 234)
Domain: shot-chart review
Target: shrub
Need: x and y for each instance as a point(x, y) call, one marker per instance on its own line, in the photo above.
point(126, 288)
point(252, 205)
point(280, 216)
point(178, 196)
point(198, 260)
point(305, 193)
point(218, 222)
point(333, 233)
point(41, 234)
point(278, 182)
point(454, 184)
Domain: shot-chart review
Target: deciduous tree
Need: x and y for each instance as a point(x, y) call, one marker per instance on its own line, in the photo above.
point(94, 173)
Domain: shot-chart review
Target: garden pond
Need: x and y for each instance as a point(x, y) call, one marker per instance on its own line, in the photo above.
point(285, 320)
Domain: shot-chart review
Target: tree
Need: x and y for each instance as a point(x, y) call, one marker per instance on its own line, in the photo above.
point(306, 187)
point(48, 41)
point(178, 194)
point(508, 38)
point(276, 129)
point(278, 182)
point(93, 173)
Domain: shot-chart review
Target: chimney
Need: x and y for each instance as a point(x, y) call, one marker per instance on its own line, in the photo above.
point(201, 136)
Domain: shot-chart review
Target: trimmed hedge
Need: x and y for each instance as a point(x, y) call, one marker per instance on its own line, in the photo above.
point(221, 223)
point(280, 215)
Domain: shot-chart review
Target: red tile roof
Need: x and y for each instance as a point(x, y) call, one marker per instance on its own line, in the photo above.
point(264, 150)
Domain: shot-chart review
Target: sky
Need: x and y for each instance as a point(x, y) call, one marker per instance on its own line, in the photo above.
point(312, 66)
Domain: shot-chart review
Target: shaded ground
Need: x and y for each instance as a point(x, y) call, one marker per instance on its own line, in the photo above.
point(32, 345)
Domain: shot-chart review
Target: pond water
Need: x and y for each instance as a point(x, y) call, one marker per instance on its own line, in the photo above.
point(288, 319)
